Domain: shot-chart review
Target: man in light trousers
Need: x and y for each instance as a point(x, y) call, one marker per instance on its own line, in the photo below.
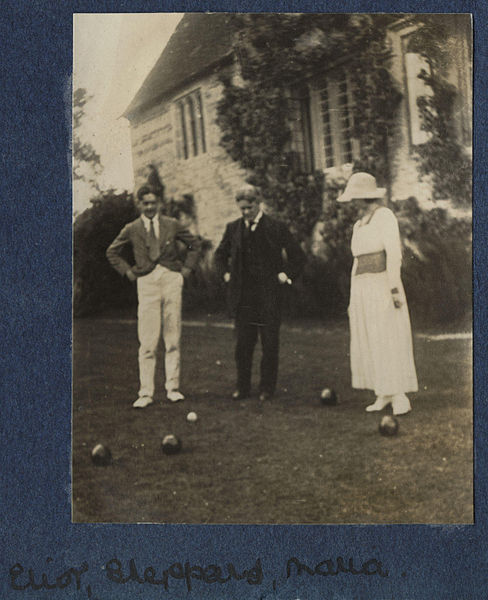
point(160, 273)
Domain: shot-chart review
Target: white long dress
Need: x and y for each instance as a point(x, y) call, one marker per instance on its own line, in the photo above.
point(381, 339)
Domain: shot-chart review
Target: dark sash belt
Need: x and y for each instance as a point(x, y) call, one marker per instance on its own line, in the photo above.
point(375, 262)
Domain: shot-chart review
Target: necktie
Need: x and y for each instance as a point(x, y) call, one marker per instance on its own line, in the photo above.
point(154, 251)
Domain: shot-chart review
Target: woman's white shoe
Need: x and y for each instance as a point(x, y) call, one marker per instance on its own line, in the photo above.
point(381, 403)
point(401, 404)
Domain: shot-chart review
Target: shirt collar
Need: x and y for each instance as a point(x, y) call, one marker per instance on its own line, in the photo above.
point(254, 223)
point(258, 218)
point(147, 222)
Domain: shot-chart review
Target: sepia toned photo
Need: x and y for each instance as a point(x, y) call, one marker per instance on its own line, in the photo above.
point(272, 268)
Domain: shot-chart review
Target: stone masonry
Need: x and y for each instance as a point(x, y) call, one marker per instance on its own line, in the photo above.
point(211, 177)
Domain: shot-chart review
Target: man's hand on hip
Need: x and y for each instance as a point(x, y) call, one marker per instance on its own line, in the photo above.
point(226, 277)
point(283, 278)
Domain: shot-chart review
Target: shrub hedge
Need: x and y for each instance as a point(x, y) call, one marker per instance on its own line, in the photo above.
point(97, 286)
point(436, 265)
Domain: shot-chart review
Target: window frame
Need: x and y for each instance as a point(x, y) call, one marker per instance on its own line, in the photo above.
point(189, 125)
point(301, 129)
point(328, 90)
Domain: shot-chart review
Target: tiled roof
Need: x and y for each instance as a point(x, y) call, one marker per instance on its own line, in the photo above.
point(199, 41)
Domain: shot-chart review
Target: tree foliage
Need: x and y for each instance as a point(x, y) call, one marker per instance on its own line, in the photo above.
point(86, 161)
point(437, 263)
point(279, 54)
point(96, 284)
point(441, 157)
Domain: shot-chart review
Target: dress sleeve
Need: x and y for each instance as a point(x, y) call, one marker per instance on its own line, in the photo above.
point(353, 249)
point(391, 239)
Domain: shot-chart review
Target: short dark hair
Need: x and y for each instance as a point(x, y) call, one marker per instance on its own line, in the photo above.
point(143, 191)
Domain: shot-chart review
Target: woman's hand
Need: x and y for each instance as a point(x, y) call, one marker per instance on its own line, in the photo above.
point(397, 300)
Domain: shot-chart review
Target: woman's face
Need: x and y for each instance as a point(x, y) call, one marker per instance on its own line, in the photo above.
point(361, 205)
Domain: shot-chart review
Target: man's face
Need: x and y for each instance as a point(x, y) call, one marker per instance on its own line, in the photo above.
point(249, 208)
point(149, 205)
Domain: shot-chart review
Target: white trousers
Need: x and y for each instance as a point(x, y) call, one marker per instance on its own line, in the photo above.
point(159, 295)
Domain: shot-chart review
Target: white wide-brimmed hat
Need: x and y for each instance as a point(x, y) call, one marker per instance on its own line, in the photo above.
point(361, 185)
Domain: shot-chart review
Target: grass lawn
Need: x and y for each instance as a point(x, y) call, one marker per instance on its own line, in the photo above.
point(291, 460)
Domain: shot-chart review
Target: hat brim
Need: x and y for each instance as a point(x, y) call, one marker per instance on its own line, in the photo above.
point(379, 193)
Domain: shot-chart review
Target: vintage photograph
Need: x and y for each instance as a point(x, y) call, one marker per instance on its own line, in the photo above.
point(272, 268)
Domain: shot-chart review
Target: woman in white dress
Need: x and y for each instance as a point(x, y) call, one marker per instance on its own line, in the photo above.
point(381, 339)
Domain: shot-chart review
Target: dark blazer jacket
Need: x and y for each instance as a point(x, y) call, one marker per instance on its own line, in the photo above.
point(275, 239)
point(170, 232)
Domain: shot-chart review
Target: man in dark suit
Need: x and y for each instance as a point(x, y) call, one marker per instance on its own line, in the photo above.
point(250, 259)
point(159, 272)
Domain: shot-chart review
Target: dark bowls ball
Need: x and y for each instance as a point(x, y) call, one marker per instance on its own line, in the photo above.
point(388, 426)
point(328, 397)
point(171, 444)
point(101, 456)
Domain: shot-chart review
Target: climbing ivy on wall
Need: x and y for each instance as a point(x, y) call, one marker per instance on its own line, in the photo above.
point(442, 157)
point(280, 53)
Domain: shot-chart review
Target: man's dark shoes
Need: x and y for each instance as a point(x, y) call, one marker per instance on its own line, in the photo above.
point(265, 396)
point(240, 395)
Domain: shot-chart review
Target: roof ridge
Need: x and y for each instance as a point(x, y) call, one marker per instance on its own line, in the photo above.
point(199, 41)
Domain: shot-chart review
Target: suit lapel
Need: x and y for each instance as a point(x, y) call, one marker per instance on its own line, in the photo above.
point(240, 234)
point(141, 230)
point(141, 238)
point(262, 222)
point(237, 243)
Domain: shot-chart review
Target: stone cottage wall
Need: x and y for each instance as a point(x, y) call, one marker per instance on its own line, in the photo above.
point(404, 167)
point(211, 177)
point(405, 177)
